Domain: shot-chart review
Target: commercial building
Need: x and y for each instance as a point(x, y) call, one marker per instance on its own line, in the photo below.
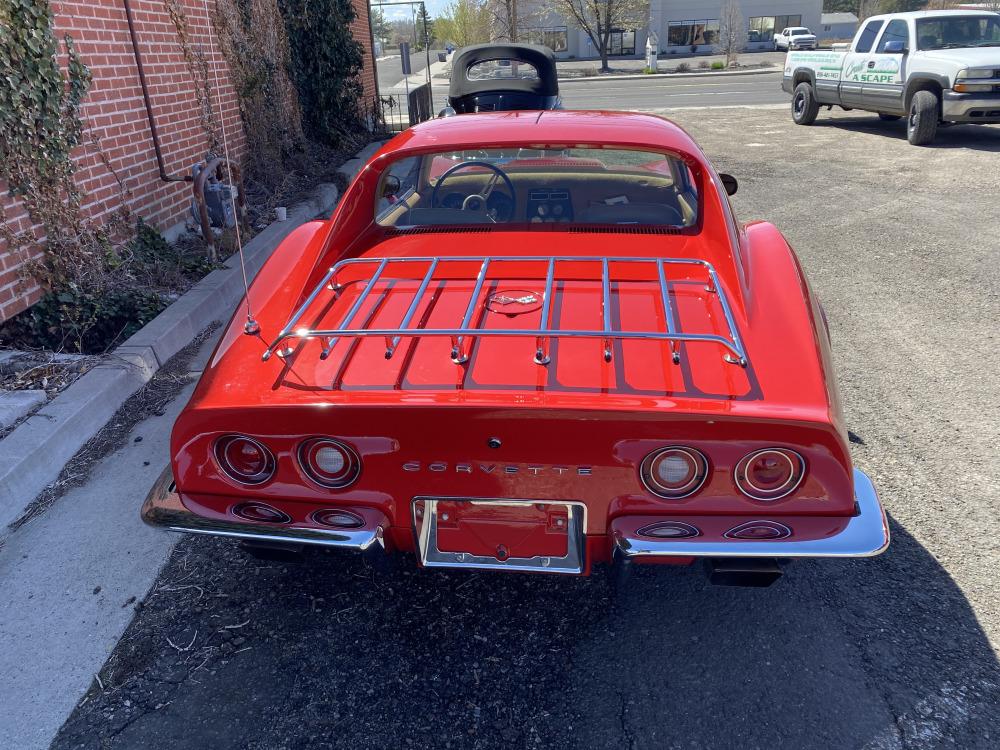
point(834, 26)
point(678, 26)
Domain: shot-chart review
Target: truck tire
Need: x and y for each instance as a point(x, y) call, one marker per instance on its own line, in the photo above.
point(888, 118)
point(804, 104)
point(921, 125)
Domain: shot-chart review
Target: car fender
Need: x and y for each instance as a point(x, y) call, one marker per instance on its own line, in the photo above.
point(782, 319)
point(920, 81)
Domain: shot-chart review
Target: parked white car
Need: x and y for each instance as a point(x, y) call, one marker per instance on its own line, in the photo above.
point(795, 37)
point(933, 67)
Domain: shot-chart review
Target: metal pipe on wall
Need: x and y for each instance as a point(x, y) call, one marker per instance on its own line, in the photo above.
point(149, 105)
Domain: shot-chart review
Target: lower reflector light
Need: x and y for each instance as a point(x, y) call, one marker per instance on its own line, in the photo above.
point(340, 519)
point(669, 530)
point(260, 512)
point(759, 530)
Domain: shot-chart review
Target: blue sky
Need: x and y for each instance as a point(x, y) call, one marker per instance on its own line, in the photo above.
point(434, 7)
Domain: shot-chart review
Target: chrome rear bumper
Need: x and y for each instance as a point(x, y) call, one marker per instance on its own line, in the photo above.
point(163, 509)
point(866, 535)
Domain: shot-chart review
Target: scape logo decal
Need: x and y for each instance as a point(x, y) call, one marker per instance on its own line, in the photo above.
point(884, 73)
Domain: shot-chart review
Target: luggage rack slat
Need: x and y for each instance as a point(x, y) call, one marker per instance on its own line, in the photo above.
point(460, 336)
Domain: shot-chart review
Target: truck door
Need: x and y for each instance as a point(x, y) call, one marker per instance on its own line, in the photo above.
point(856, 63)
point(884, 75)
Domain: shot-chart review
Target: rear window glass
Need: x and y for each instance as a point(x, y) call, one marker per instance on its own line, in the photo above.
point(524, 186)
point(867, 37)
point(491, 70)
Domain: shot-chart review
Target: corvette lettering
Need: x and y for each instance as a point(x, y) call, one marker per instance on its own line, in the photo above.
point(485, 468)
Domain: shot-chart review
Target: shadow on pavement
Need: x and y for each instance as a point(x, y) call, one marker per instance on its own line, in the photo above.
point(881, 653)
point(972, 137)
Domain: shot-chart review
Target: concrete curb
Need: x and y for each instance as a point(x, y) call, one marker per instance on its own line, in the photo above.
point(32, 456)
point(651, 76)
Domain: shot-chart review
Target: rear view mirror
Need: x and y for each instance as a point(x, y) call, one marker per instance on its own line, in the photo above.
point(894, 48)
point(729, 183)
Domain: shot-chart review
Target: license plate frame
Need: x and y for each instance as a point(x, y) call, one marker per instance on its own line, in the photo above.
point(425, 515)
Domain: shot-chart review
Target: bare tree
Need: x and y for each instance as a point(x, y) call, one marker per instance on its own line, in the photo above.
point(507, 20)
point(598, 17)
point(732, 31)
point(868, 8)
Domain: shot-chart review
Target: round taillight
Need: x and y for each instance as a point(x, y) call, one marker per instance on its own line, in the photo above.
point(329, 462)
point(674, 472)
point(759, 530)
point(260, 512)
point(770, 473)
point(243, 459)
point(669, 530)
point(340, 519)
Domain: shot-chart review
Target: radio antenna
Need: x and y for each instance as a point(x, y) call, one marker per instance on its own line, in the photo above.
point(251, 327)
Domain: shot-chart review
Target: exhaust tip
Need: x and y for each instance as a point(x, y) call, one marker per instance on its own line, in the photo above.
point(750, 572)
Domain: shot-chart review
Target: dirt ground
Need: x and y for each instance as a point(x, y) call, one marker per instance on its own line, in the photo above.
point(896, 652)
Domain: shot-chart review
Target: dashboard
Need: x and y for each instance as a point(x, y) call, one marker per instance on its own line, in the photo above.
point(549, 205)
point(543, 205)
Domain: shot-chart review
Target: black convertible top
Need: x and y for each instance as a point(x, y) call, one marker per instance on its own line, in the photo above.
point(539, 92)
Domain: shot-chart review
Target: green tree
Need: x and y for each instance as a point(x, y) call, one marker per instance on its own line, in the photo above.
point(464, 22)
point(381, 29)
point(425, 27)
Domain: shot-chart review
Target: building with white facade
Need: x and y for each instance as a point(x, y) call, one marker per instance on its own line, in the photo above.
point(680, 26)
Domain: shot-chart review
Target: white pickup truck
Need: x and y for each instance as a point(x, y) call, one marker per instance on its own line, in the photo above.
point(795, 37)
point(933, 67)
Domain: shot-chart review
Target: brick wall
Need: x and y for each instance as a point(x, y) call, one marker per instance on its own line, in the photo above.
point(116, 117)
point(361, 30)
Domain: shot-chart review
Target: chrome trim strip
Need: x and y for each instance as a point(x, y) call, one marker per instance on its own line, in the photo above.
point(419, 295)
point(426, 527)
point(163, 509)
point(354, 308)
point(458, 355)
point(866, 535)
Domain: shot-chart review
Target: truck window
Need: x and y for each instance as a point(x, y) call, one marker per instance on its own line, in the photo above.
point(896, 31)
point(867, 37)
point(944, 32)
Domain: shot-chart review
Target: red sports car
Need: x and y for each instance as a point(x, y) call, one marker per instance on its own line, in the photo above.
point(529, 341)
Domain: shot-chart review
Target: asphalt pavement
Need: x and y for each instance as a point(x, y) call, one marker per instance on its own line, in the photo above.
point(676, 91)
point(892, 653)
point(389, 69)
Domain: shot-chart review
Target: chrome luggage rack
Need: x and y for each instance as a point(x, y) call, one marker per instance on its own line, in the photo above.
point(461, 335)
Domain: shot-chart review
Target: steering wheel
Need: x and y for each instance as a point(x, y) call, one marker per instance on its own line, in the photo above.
point(476, 201)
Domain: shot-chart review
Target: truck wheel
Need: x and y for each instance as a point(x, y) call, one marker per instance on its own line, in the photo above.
point(889, 118)
point(921, 126)
point(804, 105)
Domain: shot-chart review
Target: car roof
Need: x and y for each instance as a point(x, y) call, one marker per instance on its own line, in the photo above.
point(915, 14)
point(548, 128)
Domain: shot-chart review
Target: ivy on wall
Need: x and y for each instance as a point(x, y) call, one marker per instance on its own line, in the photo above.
point(39, 127)
point(325, 62)
point(197, 64)
point(92, 297)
